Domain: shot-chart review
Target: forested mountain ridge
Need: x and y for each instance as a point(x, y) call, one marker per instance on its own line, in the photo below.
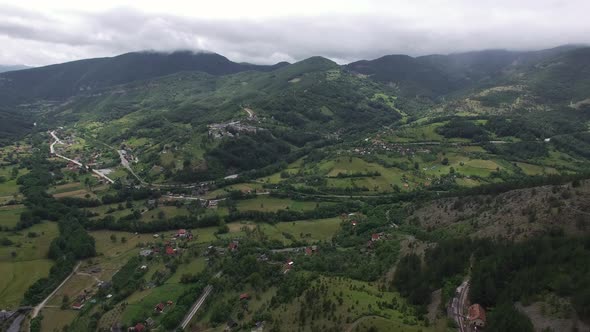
point(436, 76)
point(60, 81)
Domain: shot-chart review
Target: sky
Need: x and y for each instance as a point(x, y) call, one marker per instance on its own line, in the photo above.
point(41, 32)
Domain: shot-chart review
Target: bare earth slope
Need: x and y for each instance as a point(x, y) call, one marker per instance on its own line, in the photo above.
point(514, 215)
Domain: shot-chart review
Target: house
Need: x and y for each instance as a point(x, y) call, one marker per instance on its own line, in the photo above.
point(181, 233)
point(288, 266)
point(212, 204)
point(150, 322)
point(233, 246)
point(244, 296)
point(159, 308)
point(170, 251)
point(376, 236)
point(476, 316)
point(139, 327)
point(311, 250)
point(116, 328)
point(145, 252)
point(77, 306)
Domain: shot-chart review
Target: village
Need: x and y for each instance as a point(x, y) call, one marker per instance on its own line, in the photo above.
point(230, 129)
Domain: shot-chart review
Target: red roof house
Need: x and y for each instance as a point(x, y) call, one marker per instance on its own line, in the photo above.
point(159, 307)
point(476, 315)
point(170, 250)
point(77, 306)
point(139, 327)
point(182, 232)
point(375, 237)
point(233, 246)
point(244, 296)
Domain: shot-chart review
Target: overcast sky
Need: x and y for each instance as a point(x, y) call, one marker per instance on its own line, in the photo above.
point(40, 32)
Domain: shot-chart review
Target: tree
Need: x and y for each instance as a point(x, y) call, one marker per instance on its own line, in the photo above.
point(65, 301)
point(445, 161)
point(506, 318)
point(113, 238)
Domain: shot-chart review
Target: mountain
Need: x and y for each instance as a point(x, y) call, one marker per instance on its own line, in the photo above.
point(439, 75)
point(60, 81)
point(300, 94)
point(5, 68)
point(564, 78)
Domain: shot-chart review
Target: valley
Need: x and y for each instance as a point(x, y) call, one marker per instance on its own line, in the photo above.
point(310, 196)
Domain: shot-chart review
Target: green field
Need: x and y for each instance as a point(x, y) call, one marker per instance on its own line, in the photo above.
point(54, 319)
point(141, 304)
point(195, 266)
point(10, 215)
point(530, 169)
point(310, 231)
point(418, 133)
point(9, 186)
point(319, 230)
point(17, 277)
point(27, 247)
point(169, 212)
point(266, 203)
point(24, 262)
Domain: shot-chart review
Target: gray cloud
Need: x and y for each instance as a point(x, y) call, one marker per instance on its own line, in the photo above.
point(35, 38)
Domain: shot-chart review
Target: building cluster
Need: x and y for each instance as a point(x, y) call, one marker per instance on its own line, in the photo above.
point(168, 247)
point(378, 145)
point(230, 129)
point(127, 154)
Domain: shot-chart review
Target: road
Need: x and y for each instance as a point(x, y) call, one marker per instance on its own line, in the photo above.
point(125, 164)
point(457, 305)
point(57, 140)
point(196, 306)
point(198, 303)
point(52, 150)
point(250, 112)
point(292, 249)
point(15, 326)
point(40, 306)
